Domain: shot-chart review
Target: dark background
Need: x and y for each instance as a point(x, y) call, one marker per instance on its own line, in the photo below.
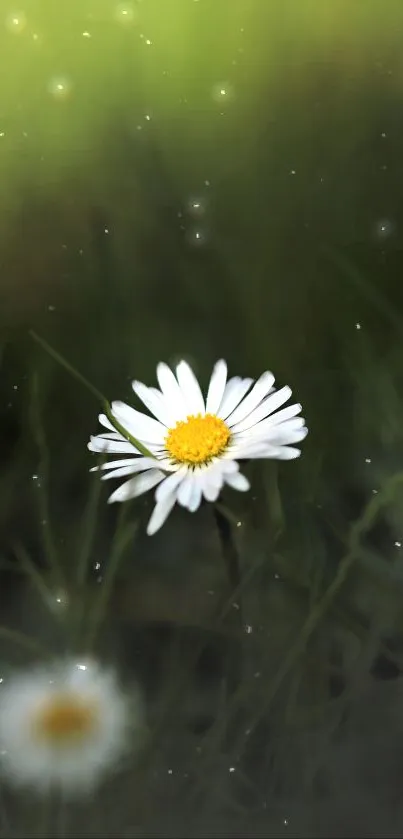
point(262, 224)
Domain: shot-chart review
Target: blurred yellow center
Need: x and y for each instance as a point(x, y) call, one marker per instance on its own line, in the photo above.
point(66, 718)
point(197, 439)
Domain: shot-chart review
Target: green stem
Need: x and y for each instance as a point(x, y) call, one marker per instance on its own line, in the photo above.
point(100, 607)
point(231, 562)
point(37, 579)
point(42, 489)
point(92, 389)
point(228, 548)
point(22, 640)
point(129, 437)
point(88, 532)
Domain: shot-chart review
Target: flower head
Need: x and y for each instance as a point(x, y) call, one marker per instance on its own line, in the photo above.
point(195, 443)
point(62, 726)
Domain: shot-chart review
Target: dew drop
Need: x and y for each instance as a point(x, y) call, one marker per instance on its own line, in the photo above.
point(222, 92)
point(196, 206)
point(384, 228)
point(16, 22)
point(125, 13)
point(60, 87)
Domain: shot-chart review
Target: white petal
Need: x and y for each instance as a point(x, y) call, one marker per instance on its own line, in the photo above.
point(115, 464)
point(235, 391)
point(284, 436)
point(185, 489)
point(195, 500)
point(142, 464)
point(237, 481)
point(155, 402)
point(268, 406)
point(214, 474)
point(211, 480)
point(145, 428)
point(190, 388)
point(171, 390)
point(258, 392)
point(103, 419)
point(98, 444)
point(171, 483)
point(210, 491)
point(229, 466)
point(110, 435)
point(287, 453)
point(137, 486)
point(216, 387)
point(122, 472)
point(244, 450)
point(279, 453)
point(166, 464)
point(160, 513)
point(286, 413)
point(269, 427)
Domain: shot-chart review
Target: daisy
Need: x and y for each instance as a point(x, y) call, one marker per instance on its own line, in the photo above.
point(195, 443)
point(61, 726)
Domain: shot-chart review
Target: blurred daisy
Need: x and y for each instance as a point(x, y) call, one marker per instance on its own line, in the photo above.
point(61, 726)
point(196, 443)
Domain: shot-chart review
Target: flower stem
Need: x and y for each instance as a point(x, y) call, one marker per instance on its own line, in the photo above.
point(231, 562)
point(100, 607)
point(92, 389)
point(228, 547)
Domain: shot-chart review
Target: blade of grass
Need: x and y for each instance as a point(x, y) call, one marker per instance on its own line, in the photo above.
point(22, 640)
point(88, 529)
point(99, 609)
point(51, 552)
point(37, 579)
point(95, 392)
point(217, 732)
point(375, 297)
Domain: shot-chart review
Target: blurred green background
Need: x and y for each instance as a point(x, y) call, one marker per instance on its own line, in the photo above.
point(206, 179)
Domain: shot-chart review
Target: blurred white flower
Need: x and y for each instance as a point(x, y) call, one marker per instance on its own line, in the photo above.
point(62, 726)
point(196, 443)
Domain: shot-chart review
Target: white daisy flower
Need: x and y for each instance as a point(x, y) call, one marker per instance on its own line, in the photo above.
point(61, 726)
point(196, 443)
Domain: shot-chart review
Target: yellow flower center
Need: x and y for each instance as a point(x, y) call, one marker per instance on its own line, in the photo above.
point(197, 439)
point(66, 718)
